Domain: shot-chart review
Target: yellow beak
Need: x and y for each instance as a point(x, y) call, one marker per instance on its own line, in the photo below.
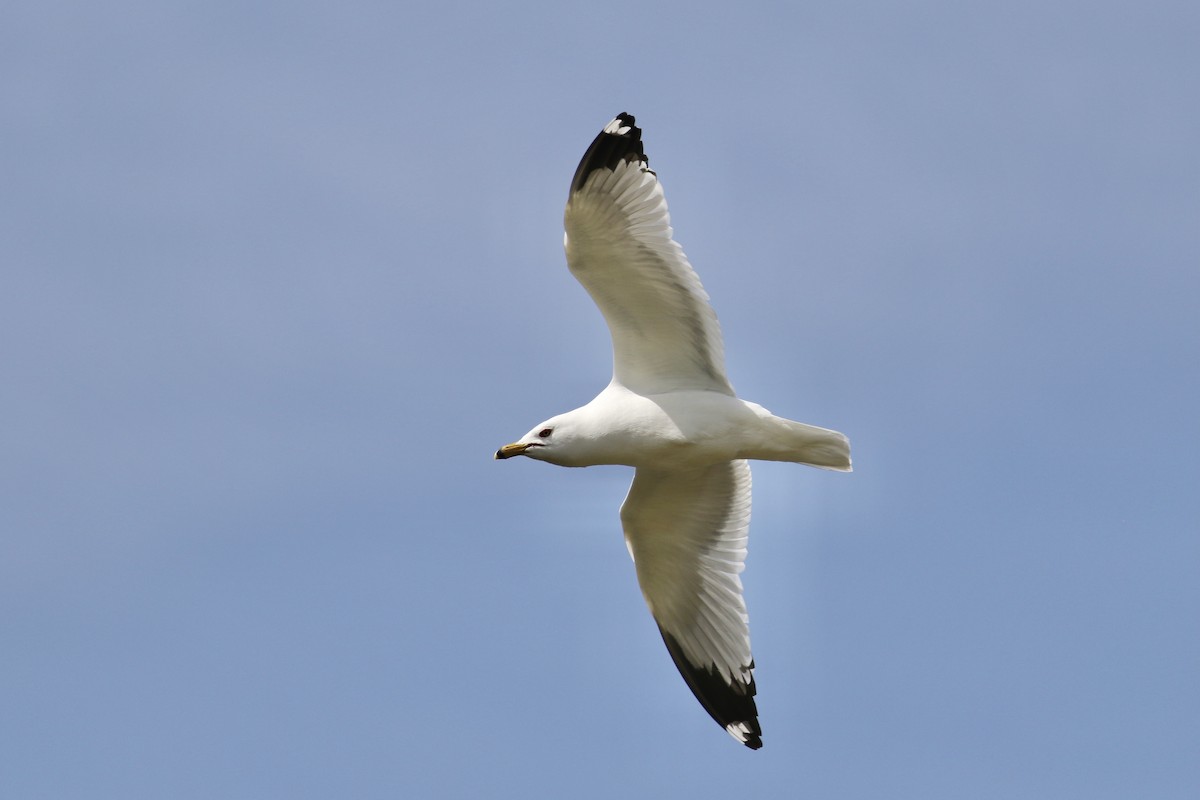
point(510, 450)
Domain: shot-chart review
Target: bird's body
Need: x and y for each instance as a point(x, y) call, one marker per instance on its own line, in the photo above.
point(681, 430)
point(671, 413)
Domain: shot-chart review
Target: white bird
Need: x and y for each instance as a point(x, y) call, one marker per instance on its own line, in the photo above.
point(670, 413)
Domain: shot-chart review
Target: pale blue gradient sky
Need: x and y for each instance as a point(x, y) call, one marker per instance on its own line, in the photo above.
point(279, 278)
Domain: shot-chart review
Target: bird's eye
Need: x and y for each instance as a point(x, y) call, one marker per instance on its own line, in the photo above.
point(544, 432)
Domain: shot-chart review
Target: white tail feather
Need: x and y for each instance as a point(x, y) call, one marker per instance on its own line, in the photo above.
point(819, 447)
point(787, 440)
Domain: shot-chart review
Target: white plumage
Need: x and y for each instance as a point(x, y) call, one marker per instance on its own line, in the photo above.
point(670, 412)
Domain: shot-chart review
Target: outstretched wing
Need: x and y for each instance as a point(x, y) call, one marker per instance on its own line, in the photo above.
point(619, 246)
point(686, 531)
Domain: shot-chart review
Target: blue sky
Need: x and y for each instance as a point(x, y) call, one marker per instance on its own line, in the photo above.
point(279, 278)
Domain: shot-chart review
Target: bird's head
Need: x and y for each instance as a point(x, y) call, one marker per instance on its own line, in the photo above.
point(539, 443)
point(559, 440)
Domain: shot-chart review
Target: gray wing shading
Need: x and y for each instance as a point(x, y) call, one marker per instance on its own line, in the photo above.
point(619, 246)
point(686, 531)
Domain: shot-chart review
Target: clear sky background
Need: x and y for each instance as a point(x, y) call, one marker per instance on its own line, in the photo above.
point(278, 278)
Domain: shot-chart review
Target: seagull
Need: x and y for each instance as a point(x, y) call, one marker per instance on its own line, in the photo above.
point(671, 414)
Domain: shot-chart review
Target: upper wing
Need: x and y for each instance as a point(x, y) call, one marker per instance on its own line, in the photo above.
point(686, 531)
point(619, 246)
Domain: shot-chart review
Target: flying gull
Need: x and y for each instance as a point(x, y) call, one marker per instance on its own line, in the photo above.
point(670, 413)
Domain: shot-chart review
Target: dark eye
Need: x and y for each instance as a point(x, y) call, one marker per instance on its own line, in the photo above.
point(544, 432)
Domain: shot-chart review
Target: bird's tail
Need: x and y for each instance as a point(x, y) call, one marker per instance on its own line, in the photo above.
point(808, 444)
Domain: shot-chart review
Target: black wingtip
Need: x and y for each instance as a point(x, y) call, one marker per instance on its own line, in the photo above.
point(621, 140)
point(730, 704)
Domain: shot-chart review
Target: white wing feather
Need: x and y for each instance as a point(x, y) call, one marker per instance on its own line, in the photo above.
point(619, 246)
point(687, 531)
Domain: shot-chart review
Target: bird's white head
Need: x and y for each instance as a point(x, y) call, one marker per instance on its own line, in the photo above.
point(541, 443)
point(561, 440)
